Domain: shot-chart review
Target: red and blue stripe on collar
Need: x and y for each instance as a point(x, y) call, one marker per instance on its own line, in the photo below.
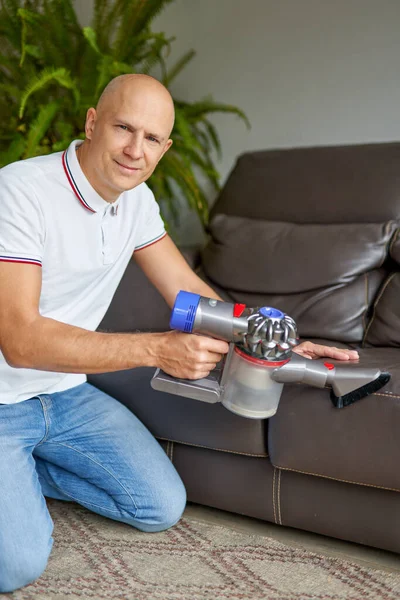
point(72, 182)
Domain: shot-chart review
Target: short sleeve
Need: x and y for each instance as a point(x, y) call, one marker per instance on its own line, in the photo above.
point(22, 223)
point(153, 228)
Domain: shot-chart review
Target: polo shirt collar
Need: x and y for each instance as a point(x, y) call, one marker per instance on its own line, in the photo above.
point(80, 185)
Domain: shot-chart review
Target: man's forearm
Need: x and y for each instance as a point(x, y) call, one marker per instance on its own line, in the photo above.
point(203, 289)
point(49, 345)
point(197, 286)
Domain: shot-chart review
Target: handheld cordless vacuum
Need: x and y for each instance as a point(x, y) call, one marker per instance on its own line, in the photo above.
point(260, 360)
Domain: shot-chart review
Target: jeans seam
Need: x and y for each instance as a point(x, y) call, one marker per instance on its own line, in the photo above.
point(102, 467)
point(56, 487)
point(46, 418)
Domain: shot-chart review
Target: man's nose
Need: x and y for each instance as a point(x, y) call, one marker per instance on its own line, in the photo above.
point(135, 148)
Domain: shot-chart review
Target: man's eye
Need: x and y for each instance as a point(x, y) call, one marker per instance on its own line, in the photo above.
point(124, 127)
point(152, 139)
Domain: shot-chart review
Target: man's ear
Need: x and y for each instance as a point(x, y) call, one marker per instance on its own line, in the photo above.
point(91, 117)
point(166, 147)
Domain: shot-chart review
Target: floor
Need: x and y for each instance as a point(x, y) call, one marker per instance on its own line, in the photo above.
point(319, 544)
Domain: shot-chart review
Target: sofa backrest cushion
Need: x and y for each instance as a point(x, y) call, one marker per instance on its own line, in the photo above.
point(307, 230)
point(309, 270)
point(335, 184)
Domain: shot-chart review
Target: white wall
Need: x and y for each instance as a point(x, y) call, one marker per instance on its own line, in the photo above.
point(306, 72)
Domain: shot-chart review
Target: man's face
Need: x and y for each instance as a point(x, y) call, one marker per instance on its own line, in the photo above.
point(128, 136)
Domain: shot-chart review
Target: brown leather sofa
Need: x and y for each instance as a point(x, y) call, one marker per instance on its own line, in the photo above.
point(314, 232)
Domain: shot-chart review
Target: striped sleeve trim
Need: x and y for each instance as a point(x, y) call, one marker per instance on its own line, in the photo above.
point(20, 259)
point(151, 242)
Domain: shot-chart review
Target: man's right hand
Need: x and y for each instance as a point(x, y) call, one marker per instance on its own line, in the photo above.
point(188, 356)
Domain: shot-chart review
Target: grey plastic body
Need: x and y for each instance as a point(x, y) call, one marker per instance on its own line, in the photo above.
point(243, 387)
point(248, 389)
point(216, 319)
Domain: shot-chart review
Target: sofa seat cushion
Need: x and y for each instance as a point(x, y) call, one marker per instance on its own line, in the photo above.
point(357, 444)
point(309, 270)
point(183, 420)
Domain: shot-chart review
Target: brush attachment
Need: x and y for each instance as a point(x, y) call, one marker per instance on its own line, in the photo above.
point(361, 392)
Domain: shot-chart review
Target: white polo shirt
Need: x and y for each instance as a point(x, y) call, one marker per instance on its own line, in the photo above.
point(51, 217)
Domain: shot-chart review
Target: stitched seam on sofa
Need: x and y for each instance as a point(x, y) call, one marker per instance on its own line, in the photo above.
point(279, 496)
point(386, 395)
point(379, 487)
point(273, 496)
point(389, 279)
point(211, 448)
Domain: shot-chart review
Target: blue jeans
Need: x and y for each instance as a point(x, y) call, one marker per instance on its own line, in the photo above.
point(79, 445)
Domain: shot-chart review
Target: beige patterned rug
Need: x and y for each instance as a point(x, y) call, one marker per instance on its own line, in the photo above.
point(97, 558)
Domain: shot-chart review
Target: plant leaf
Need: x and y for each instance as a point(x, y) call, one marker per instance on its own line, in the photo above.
point(179, 170)
point(43, 79)
point(26, 17)
point(91, 37)
point(39, 127)
point(14, 151)
point(204, 107)
point(137, 16)
point(34, 51)
point(178, 67)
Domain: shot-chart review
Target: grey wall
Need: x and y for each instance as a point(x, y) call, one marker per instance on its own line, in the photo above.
point(306, 72)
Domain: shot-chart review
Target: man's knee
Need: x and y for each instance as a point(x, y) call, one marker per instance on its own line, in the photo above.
point(166, 510)
point(18, 569)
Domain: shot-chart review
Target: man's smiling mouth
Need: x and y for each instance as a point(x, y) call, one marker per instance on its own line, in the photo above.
point(127, 167)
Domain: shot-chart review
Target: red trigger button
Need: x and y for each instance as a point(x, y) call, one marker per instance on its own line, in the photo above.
point(238, 310)
point(329, 366)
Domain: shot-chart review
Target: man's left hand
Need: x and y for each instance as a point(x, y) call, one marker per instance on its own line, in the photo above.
point(311, 350)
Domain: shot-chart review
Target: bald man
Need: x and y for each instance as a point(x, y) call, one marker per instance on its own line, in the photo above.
point(70, 224)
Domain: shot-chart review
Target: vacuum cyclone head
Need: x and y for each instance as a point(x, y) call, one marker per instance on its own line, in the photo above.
point(271, 334)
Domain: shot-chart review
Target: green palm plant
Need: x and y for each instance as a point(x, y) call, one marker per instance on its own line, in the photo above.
point(52, 70)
